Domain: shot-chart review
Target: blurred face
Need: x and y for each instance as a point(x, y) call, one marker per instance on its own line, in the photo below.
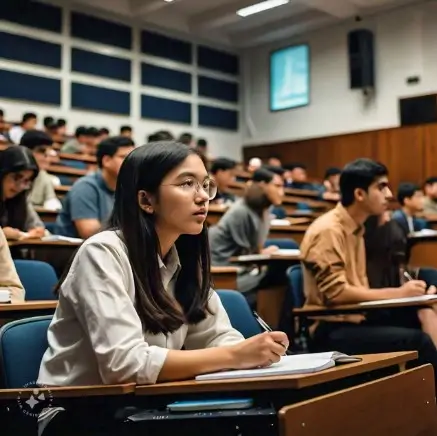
point(126, 133)
point(375, 200)
point(275, 162)
point(182, 203)
point(333, 183)
point(299, 175)
point(275, 190)
point(112, 164)
point(431, 191)
point(416, 203)
point(15, 183)
point(30, 124)
point(224, 178)
point(42, 157)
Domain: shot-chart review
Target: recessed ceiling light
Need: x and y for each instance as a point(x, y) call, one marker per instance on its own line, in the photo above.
point(261, 7)
point(168, 1)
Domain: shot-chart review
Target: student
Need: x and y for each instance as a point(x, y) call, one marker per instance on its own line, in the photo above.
point(202, 147)
point(79, 143)
point(411, 199)
point(244, 228)
point(331, 184)
point(274, 161)
point(28, 122)
point(18, 170)
point(42, 192)
point(254, 164)
point(222, 170)
point(136, 304)
point(103, 134)
point(89, 202)
point(126, 131)
point(296, 177)
point(334, 271)
point(62, 127)
point(187, 139)
point(430, 203)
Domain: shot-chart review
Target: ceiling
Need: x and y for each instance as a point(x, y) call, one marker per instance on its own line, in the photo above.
point(216, 20)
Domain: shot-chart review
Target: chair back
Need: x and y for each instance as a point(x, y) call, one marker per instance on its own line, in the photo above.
point(239, 312)
point(22, 346)
point(295, 280)
point(38, 278)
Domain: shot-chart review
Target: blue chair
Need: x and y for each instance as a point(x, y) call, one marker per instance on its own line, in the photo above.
point(38, 278)
point(77, 164)
point(22, 346)
point(239, 312)
point(51, 227)
point(295, 280)
point(288, 244)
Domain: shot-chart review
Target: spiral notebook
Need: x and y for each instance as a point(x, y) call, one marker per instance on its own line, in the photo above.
point(288, 365)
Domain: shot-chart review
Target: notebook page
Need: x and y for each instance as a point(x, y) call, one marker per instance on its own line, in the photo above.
point(400, 300)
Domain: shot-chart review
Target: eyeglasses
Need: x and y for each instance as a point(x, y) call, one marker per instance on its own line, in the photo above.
point(193, 187)
point(20, 182)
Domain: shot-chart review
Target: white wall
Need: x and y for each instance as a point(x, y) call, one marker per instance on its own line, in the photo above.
point(406, 44)
point(221, 142)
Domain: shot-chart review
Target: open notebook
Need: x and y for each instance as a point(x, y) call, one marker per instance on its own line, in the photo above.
point(288, 365)
point(427, 297)
point(5, 295)
point(258, 257)
point(62, 238)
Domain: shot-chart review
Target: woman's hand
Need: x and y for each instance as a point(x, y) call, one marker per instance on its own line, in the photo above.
point(37, 232)
point(270, 250)
point(12, 234)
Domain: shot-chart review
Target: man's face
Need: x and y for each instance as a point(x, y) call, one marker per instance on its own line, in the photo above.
point(376, 199)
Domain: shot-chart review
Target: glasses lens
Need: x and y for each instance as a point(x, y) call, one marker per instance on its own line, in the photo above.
point(211, 189)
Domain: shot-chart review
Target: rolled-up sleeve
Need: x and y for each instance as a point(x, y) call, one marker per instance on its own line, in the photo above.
point(97, 288)
point(215, 330)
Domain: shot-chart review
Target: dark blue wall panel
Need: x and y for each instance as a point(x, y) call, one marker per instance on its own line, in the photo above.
point(102, 31)
point(166, 110)
point(162, 46)
point(217, 117)
point(160, 77)
point(218, 89)
point(32, 14)
point(98, 99)
point(29, 50)
point(217, 60)
point(97, 64)
point(19, 86)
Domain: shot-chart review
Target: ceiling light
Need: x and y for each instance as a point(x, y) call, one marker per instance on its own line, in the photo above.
point(168, 1)
point(260, 7)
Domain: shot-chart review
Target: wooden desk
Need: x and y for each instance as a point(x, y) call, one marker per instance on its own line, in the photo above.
point(224, 277)
point(370, 362)
point(423, 252)
point(215, 212)
point(295, 232)
point(61, 170)
point(79, 157)
point(47, 215)
point(266, 259)
point(61, 191)
point(12, 311)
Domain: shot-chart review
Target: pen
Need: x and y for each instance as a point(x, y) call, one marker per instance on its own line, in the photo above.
point(407, 276)
point(267, 328)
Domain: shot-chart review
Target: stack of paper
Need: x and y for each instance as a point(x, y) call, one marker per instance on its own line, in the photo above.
point(5, 295)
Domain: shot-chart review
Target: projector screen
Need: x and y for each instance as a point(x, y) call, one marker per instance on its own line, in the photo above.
point(289, 78)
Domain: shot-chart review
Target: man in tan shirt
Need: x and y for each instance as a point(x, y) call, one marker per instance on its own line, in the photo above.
point(430, 206)
point(334, 270)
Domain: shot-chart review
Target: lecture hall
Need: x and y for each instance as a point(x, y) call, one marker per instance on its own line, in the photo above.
point(218, 217)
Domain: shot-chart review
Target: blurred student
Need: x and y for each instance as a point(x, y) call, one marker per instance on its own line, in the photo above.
point(126, 131)
point(430, 203)
point(222, 170)
point(28, 122)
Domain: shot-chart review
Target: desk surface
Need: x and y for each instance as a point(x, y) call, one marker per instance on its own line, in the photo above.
point(370, 362)
point(30, 243)
point(29, 305)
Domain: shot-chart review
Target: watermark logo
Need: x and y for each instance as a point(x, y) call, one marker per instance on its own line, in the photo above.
point(33, 401)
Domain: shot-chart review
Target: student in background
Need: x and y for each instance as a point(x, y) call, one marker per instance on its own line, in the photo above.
point(430, 203)
point(296, 177)
point(18, 170)
point(89, 202)
point(103, 134)
point(187, 139)
point(222, 170)
point(126, 131)
point(62, 127)
point(331, 184)
point(255, 163)
point(42, 192)
point(274, 161)
point(244, 228)
point(202, 147)
point(79, 143)
point(411, 199)
point(28, 122)
point(334, 271)
point(48, 122)
point(136, 305)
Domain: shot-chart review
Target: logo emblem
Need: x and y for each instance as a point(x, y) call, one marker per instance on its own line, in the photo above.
point(35, 400)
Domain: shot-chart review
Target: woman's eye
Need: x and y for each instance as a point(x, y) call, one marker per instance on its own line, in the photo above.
point(189, 183)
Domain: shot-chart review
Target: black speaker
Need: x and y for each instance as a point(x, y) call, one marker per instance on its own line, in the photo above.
point(418, 110)
point(361, 59)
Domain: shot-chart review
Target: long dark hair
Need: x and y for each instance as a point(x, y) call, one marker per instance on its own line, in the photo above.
point(144, 169)
point(13, 211)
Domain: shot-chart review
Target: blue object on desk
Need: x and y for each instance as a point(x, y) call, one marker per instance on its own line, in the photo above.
point(202, 405)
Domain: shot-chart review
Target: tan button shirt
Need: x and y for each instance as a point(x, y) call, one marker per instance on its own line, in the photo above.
point(430, 206)
point(333, 255)
point(96, 336)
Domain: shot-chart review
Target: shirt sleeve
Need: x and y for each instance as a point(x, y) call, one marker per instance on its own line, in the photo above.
point(84, 202)
point(8, 274)
point(32, 218)
point(215, 330)
point(96, 287)
point(326, 260)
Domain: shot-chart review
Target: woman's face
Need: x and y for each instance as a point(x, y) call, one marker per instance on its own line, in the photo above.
point(183, 199)
point(15, 183)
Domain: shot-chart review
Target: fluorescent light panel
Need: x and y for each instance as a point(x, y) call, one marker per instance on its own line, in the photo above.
point(261, 7)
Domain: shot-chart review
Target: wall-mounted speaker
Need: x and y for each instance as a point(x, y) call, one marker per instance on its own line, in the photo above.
point(418, 110)
point(361, 59)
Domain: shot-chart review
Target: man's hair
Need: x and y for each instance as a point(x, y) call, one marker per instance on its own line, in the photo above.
point(62, 122)
point(263, 175)
point(48, 121)
point(125, 129)
point(186, 138)
point(294, 165)
point(2, 113)
point(35, 138)
point(406, 190)
point(80, 131)
point(274, 169)
point(431, 180)
point(104, 131)
point(28, 116)
point(333, 171)
point(109, 146)
point(222, 164)
point(359, 174)
point(93, 132)
point(202, 142)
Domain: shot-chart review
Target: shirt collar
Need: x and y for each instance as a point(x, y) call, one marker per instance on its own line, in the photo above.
point(101, 181)
point(172, 263)
point(348, 222)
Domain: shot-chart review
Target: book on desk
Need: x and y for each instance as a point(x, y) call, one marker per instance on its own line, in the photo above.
point(288, 365)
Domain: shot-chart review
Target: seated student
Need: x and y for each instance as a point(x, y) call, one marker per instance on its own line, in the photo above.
point(89, 202)
point(244, 228)
point(187, 139)
point(79, 143)
point(277, 212)
point(430, 203)
point(126, 131)
point(202, 147)
point(136, 304)
point(42, 192)
point(8, 274)
point(295, 177)
point(28, 122)
point(222, 170)
point(254, 164)
point(274, 161)
point(331, 185)
point(410, 197)
point(334, 272)
point(18, 170)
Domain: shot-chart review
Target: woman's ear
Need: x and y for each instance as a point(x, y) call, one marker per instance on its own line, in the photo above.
point(145, 202)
